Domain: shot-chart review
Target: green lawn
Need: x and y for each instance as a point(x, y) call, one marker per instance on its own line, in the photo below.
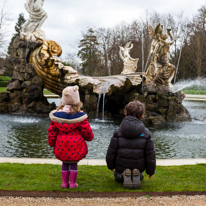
point(200, 92)
point(47, 177)
point(45, 91)
point(4, 81)
point(2, 89)
point(5, 78)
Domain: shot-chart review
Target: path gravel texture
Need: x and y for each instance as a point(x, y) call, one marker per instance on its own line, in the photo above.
point(143, 201)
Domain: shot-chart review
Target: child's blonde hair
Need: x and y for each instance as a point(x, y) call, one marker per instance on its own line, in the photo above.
point(75, 108)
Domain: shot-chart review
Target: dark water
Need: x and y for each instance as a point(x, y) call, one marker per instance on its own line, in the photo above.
point(26, 136)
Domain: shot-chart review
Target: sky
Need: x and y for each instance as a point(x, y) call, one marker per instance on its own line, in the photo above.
point(68, 18)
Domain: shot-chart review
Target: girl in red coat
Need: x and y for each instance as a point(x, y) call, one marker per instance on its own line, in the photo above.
point(69, 128)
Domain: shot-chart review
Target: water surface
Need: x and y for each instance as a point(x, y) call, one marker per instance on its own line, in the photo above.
point(26, 136)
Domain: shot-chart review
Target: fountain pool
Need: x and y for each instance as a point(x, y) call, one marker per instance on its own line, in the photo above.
point(26, 136)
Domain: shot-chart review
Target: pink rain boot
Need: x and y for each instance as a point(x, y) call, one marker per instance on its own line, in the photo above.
point(73, 178)
point(65, 179)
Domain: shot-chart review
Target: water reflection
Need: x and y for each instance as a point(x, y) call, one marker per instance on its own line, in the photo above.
point(182, 140)
point(26, 136)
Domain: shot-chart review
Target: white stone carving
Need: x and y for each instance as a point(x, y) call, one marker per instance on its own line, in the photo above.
point(130, 64)
point(31, 29)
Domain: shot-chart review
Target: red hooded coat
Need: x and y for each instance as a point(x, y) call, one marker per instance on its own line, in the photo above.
point(67, 134)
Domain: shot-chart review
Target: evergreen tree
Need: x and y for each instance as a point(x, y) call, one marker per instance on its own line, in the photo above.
point(89, 53)
point(18, 26)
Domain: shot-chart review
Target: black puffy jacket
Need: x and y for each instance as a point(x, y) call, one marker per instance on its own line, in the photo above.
point(131, 147)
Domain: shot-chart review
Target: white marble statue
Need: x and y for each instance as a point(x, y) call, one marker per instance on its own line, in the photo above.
point(31, 29)
point(130, 64)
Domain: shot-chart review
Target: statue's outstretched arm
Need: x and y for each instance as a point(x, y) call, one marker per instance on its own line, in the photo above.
point(130, 47)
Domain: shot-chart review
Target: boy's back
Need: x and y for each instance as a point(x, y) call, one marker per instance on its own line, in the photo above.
point(131, 147)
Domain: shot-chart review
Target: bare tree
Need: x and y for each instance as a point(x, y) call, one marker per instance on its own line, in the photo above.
point(72, 60)
point(104, 39)
point(4, 18)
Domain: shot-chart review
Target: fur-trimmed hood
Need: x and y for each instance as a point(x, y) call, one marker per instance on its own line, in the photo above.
point(63, 117)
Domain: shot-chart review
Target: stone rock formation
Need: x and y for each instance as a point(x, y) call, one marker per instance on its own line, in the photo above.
point(25, 91)
point(161, 107)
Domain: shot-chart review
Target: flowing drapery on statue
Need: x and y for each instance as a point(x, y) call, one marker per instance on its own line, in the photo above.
point(130, 64)
point(160, 71)
point(31, 29)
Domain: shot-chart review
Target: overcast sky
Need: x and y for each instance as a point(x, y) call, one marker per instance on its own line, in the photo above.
point(67, 18)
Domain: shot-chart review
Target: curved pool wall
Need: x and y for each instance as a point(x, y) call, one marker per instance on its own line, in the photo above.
point(26, 136)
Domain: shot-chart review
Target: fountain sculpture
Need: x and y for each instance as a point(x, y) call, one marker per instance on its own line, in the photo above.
point(130, 64)
point(39, 57)
point(31, 29)
point(160, 71)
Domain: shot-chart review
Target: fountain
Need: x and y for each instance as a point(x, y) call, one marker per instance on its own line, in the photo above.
point(188, 83)
point(37, 66)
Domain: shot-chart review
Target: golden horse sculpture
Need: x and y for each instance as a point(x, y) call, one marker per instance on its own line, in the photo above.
point(56, 76)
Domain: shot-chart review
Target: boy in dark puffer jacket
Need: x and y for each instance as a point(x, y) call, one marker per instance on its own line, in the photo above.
point(131, 148)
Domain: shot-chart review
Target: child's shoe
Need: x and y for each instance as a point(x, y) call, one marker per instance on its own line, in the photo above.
point(65, 179)
point(136, 179)
point(73, 178)
point(127, 179)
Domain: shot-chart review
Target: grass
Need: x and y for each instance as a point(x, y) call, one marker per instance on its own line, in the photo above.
point(3, 89)
point(45, 91)
point(5, 78)
point(200, 92)
point(36, 177)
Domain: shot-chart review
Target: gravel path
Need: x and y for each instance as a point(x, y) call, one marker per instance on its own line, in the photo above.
point(143, 201)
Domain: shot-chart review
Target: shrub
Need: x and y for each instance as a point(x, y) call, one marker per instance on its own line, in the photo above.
point(3, 83)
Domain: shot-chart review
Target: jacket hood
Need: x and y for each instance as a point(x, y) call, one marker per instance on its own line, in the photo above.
point(63, 117)
point(131, 127)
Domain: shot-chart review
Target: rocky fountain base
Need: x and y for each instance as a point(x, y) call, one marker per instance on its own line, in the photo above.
point(160, 106)
point(25, 90)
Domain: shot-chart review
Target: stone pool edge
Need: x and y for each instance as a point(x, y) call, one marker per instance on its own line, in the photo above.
point(99, 162)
